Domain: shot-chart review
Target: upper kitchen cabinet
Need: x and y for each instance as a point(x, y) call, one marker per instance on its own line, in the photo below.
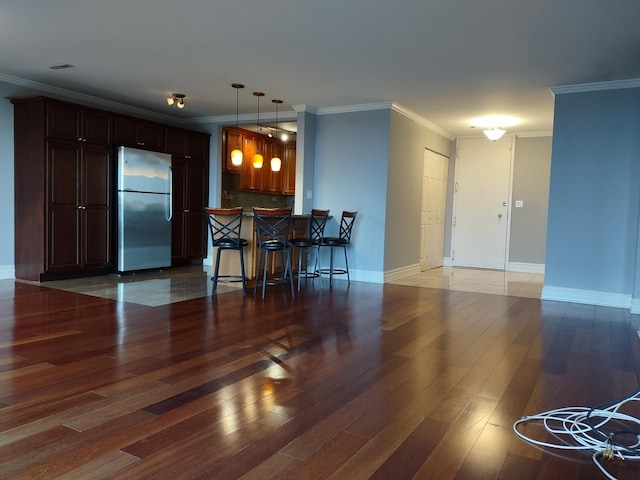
point(186, 143)
point(134, 132)
point(232, 138)
point(289, 169)
point(72, 122)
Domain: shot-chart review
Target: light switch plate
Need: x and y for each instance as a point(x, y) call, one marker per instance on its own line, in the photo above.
point(519, 203)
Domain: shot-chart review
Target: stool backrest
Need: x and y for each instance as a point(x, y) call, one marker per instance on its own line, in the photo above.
point(346, 226)
point(225, 225)
point(317, 224)
point(272, 227)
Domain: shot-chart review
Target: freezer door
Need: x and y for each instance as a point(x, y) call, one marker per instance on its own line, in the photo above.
point(144, 231)
point(143, 171)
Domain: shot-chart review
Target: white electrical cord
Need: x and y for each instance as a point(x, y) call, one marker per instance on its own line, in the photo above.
point(590, 430)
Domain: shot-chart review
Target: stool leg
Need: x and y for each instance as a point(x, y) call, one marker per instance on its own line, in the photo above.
point(255, 284)
point(291, 273)
point(264, 276)
point(244, 278)
point(300, 251)
point(346, 262)
point(215, 272)
point(331, 267)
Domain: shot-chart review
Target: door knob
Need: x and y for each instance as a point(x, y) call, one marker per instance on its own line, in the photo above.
point(499, 215)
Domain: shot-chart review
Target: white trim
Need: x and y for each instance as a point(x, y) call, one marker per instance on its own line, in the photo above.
point(594, 87)
point(534, 134)
point(398, 273)
point(447, 262)
point(525, 267)
point(588, 297)
point(422, 121)
point(7, 272)
point(364, 107)
point(63, 94)
point(635, 307)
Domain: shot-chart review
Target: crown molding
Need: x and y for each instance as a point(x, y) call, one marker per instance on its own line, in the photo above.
point(534, 134)
point(594, 87)
point(64, 94)
point(305, 108)
point(422, 121)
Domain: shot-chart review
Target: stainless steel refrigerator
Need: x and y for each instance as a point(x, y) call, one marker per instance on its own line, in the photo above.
point(144, 209)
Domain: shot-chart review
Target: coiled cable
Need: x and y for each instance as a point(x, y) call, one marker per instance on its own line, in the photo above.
point(603, 430)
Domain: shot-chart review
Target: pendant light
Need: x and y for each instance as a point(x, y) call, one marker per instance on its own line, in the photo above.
point(258, 159)
point(236, 153)
point(276, 163)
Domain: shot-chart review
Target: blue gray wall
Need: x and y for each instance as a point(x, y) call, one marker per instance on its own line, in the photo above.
point(591, 250)
point(351, 167)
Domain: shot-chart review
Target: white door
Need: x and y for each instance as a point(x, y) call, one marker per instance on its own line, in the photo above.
point(481, 203)
point(434, 193)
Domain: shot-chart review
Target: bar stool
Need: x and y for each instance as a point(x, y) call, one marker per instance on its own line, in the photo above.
point(344, 239)
point(272, 232)
point(313, 240)
point(224, 226)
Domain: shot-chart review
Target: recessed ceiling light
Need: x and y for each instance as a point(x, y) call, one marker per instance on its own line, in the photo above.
point(61, 67)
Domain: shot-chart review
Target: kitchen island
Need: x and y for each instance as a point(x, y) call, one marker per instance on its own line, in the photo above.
point(230, 262)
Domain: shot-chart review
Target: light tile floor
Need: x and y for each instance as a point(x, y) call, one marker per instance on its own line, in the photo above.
point(497, 282)
point(179, 284)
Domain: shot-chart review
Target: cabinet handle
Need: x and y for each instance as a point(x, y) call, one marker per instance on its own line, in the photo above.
point(186, 211)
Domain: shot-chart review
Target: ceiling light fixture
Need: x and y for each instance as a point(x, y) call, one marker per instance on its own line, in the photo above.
point(494, 133)
point(236, 153)
point(177, 98)
point(276, 163)
point(258, 159)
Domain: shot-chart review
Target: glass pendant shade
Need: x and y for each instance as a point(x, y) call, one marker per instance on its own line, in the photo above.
point(258, 160)
point(236, 157)
point(276, 164)
point(494, 133)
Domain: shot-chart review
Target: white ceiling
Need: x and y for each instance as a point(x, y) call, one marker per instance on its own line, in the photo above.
point(448, 61)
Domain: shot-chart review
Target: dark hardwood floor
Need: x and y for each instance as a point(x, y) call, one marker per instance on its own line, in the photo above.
point(371, 381)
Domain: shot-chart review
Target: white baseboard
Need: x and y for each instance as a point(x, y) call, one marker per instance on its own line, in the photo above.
point(393, 275)
point(7, 272)
point(447, 262)
point(525, 267)
point(588, 297)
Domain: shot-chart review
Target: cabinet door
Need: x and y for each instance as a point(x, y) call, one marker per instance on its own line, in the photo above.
point(197, 146)
point(175, 141)
point(178, 169)
point(96, 196)
point(138, 133)
point(95, 127)
point(231, 139)
point(272, 181)
point(63, 208)
point(251, 176)
point(195, 199)
point(289, 169)
point(63, 121)
point(70, 122)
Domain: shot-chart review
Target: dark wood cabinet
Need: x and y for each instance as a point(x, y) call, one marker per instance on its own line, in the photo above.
point(71, 122)
point(187, 144)
point(78, 207)
point(64, 173)
point(134, 132)
point(188, 221)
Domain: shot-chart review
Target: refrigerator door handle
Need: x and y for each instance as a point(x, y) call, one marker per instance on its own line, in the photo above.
point(170, 194)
